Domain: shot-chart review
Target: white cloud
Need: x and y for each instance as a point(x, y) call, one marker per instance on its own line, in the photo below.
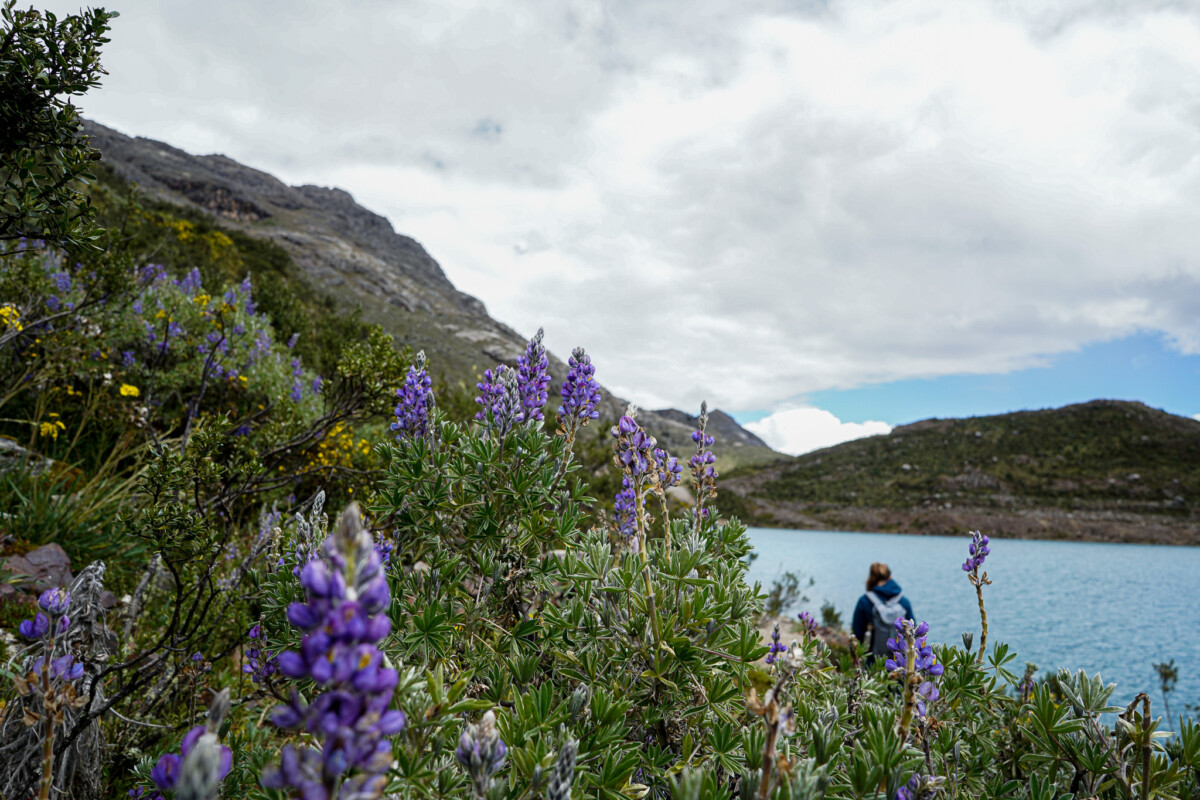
point(739, 202)
point(1196, 417)
point(801, 430)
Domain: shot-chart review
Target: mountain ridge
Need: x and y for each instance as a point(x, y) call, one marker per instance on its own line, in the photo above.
point(356, 256)
point(1104, 470)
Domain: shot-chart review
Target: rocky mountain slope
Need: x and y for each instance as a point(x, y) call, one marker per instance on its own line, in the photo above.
point(1101, 471)
point(354, 255)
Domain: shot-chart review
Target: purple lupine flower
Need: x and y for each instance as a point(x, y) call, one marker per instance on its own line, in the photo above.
point(151, 273)
point(920, 787)
point(317, 383)
point(625, 509)
point(927, 694)
point(53, 303)
point(202, 762)
point(978, 552)
point(910, 790)
point(776, 647)
point(413, 401)
point(580, 394)
point(190, 282)
point(702, 463)
point(481, 752)
point(533, 378)
point(669, 469)
point(63, 668)
point(343, 620)
point(34, 628)
point(239, 329)
point(259, 666)
point(137, 306)
point(384, 548)
point(62, 281)
point(297, 393)
point(635, 448)
point(925, 663)
point(500, 401)
point(807, 624)
point(127, 358)
point(55, 601)
point(291, 342)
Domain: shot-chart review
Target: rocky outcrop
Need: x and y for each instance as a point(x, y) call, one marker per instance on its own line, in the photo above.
point(355, 256)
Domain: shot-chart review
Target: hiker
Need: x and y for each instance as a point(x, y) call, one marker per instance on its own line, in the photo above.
point(877, 611)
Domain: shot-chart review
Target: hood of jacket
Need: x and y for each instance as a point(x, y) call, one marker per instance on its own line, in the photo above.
point(887, 591)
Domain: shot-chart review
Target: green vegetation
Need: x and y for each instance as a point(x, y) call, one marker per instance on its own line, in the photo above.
point(44, 158)
point(1102, 454)
point(470, 625)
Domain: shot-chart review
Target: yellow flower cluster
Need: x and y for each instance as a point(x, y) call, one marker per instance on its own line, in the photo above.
point(129, 391)
point(338, 448)
point(10, 315)
point(50, 430)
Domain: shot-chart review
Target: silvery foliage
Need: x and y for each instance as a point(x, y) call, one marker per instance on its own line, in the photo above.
point(559, 787)
point(200, 772)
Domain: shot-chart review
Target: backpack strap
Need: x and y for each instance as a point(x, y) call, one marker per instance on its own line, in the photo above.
point(880, 606)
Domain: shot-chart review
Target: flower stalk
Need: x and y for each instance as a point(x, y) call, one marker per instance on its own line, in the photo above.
point(978, 553)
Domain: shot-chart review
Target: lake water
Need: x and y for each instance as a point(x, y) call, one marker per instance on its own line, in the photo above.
point(1115, 609)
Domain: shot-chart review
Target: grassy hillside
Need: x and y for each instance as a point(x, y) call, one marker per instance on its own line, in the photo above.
point(1120, 461)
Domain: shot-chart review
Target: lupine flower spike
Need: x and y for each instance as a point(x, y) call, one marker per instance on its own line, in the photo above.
point(559, 787)
point(978, 552)
point(920, 787)
point(776, 647)
point(635, 457)
point(704, 473)
point(343, 619)
point(500, 401)
point(625, 513)
point(481, 753)
point(196, 772)
point(580, 395)
point(808, 625)
point(533, 378)
point(911, 659)
point(413, 401)
point(51, 679)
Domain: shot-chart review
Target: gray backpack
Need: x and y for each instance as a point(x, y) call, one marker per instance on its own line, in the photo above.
point(883, 621)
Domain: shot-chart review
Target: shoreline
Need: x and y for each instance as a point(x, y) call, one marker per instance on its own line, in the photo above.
point(1045, 524)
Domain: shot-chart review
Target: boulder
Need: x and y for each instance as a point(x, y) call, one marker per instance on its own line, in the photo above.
point(38, 570)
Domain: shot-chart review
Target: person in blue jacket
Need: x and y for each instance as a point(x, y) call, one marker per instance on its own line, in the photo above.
point(879, 582)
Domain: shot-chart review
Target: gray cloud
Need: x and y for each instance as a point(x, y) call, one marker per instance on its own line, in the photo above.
point(743, 202)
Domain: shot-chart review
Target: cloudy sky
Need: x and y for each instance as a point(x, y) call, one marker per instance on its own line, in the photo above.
point(825, 217)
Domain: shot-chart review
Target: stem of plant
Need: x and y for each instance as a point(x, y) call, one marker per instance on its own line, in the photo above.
point(1146, 747)
point(47, 719)
point(910, 688)
point(651, 606)
point(982, 622)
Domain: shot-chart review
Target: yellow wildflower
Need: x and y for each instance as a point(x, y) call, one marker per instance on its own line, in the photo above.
point(201, 299)
point(129, 391)
point(51, 429)
point(10, 315)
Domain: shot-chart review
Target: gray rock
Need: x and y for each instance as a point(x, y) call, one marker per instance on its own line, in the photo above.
point(38, 570)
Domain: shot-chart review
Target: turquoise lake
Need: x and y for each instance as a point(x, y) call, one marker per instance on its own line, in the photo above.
point(1115, 609)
